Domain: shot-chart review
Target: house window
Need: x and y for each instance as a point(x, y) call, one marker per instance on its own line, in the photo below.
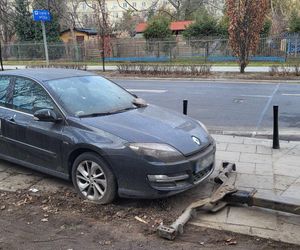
point(143, 4)
point(124, 5)
point(134, 4)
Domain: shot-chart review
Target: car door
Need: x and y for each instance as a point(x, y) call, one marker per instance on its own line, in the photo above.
point(35, 142)
point(4, 85)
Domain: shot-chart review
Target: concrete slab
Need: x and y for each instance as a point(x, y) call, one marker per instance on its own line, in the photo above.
point(52, 185)
point(17, 182)
point(255, 181)
point(228, 156)
point(253, 217)
point(228, 138)
point(245, 148)
point(293, 191)
point(256, 158)
point(283, 182)
point(265, 150)
point(221, 146)
point(286, 170)
point(264, 169)
point(268, 171)
point(245, 168)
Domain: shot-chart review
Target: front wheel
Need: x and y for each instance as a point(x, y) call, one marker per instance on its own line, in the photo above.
point(93, 179)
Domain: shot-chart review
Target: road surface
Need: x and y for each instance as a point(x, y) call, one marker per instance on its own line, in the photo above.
point(224, 106)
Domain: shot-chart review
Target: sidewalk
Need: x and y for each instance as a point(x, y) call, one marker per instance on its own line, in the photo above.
point(258, 166)
point(252, 69)
point(267, 170)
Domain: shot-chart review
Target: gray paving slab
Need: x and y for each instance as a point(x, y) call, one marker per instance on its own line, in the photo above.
point(293, 191)
point(245, 148)
point(286, 170)
point(245, 168)
point(255, 181)
point(252, 217)
point(222, 146)
point(228, 138)
point(264, 169)
point(265, 150)
point(228, 156)
point(256, 158)
point(272, 172)
point(283, 182)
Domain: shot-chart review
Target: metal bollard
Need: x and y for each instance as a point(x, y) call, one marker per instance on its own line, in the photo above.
point(185, 106)
point(275, 128)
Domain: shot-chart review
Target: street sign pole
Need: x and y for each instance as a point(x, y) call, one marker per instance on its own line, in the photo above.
point(45, 42)
point(43, 16)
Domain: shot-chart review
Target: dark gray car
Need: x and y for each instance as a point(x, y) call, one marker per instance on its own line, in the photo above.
point(79, 126)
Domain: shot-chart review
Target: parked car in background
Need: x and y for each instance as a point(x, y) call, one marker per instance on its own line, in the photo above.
point(82, 127)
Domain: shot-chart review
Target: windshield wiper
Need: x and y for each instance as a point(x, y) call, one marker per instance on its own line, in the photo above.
point(106, 113)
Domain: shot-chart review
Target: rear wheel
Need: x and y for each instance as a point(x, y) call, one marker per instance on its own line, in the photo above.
point(93, 179)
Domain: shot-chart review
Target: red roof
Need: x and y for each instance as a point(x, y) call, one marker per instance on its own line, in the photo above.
point(174, 26)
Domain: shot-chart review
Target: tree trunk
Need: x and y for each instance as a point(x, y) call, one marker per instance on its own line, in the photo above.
point(1, 61)
point(243, 65)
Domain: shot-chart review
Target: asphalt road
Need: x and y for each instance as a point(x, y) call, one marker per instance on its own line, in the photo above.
point(239, 107)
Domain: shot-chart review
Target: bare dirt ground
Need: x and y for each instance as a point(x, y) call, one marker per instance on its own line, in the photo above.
point(64, 221)
point(213, 75)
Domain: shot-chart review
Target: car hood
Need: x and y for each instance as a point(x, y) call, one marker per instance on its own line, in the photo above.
point(153, 125)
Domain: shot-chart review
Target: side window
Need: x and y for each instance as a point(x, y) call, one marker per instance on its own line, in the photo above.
point(29, 96)
point(4, 83)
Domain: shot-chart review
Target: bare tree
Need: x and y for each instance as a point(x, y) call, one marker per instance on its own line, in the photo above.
point(281, 11)
point(7, 29)
point(104, 29)
point(7, 14)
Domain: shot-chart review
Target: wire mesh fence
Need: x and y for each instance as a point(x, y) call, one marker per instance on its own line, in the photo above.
point(139, 50)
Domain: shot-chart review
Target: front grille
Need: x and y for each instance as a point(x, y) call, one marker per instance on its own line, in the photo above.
point(197, 177)
point(203, 150)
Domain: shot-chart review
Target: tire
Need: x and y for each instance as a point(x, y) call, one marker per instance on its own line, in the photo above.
point(93, 180)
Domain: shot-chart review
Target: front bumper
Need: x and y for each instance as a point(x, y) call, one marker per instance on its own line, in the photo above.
point(138, 178)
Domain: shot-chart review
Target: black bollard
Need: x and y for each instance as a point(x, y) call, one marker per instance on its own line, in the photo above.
point(275, 128)
point(185, 106)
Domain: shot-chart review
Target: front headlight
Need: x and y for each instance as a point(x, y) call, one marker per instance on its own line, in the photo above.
point(203, 126)
point(157, 152)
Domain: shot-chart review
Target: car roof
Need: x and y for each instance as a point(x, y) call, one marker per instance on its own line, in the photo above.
point(47, 74)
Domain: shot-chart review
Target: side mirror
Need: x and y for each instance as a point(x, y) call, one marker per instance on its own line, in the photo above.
point(46, 115)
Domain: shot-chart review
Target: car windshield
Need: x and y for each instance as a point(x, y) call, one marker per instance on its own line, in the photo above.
point(90, 96)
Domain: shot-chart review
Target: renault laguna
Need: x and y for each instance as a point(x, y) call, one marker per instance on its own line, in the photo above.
point(82, 127)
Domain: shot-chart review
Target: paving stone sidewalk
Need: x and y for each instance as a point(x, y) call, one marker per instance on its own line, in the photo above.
point(270, 172)
point(258, 166)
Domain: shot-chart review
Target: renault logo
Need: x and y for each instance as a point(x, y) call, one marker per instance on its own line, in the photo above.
point(196, 140)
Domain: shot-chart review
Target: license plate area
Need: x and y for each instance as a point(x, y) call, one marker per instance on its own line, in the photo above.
point(204, 163)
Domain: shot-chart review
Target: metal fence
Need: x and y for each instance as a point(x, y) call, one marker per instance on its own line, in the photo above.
point(137, 49)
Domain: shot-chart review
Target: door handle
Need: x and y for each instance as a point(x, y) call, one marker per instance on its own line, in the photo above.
point(12, 120)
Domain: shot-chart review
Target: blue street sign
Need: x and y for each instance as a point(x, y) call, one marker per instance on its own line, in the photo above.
point(41, 15)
